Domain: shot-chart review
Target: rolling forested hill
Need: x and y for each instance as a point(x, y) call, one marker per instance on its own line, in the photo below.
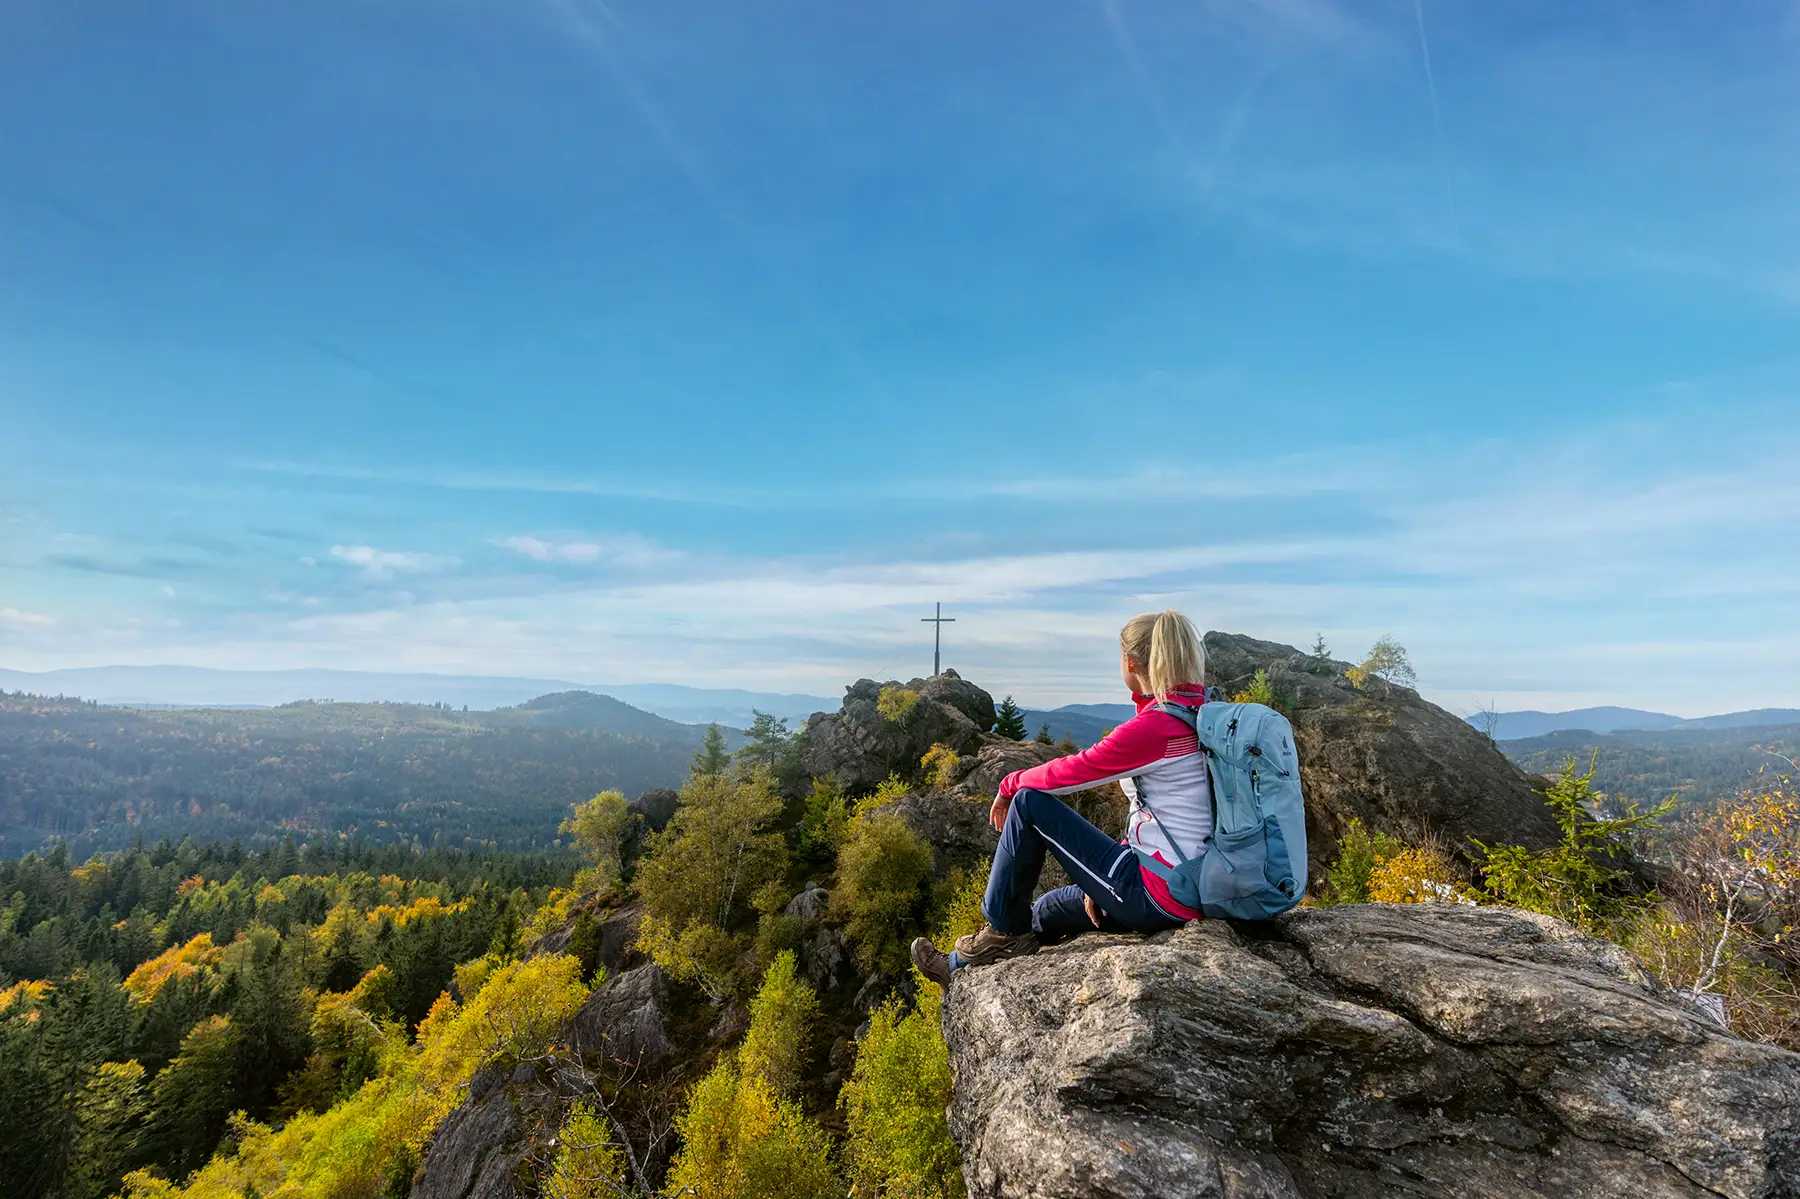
point(1694, 765)
point(103, 778)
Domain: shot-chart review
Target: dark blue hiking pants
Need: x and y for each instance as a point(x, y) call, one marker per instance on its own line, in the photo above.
point(1037, 823)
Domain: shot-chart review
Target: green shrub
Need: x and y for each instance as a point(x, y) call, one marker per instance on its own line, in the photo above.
point(825, 820)
point(702, 877)
point(776, 932)
point(897, 703)
point(897, 1139)
point(962, 914)
point(1258, 692)
point(1578, 878)
point(588, 1165)
point(1360, 852)
point(740, 1140)
point(781, 1017)
point(940, 763)
point(1418, 874)
point(890, 789)
point(598, 828)
point(884, 891)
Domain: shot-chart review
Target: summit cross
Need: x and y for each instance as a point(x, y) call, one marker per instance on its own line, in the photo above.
point(937, 640)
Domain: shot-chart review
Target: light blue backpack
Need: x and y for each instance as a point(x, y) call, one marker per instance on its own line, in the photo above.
point(1253, 866)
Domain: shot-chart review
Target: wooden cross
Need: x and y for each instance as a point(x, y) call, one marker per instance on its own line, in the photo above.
point(937, 639)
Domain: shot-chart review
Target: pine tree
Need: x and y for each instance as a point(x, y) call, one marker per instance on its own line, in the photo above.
point(769, 739)
point(1319, 651)
point(1044, 737)
point(1010, 722)
point(712, 758)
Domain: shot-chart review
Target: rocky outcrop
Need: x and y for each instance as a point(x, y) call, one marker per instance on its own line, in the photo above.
point(859, 746)
point(979, 777)
point(479, 1148)
point(1433, 1049)
point(1383, 755)
point(655, 807)
point(626, 1019)
point(822, 951)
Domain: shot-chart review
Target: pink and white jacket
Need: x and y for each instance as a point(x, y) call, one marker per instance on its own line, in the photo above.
point(1171, 795)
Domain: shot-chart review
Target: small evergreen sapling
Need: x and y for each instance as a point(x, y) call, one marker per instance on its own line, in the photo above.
point(712, 757)
point(1010, 720)
point(1578, 878)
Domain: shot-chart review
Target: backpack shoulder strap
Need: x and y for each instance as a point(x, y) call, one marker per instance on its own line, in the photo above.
point(1189, 717)
point(1183, 713)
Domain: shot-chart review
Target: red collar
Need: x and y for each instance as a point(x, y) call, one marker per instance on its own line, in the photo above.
point(1187, 695)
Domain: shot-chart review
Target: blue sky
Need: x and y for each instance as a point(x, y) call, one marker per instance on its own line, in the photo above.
point(712, 343)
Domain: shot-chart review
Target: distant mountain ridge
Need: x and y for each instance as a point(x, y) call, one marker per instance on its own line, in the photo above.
point(199, 686)
point(1517, 726)
point(101, 777)
point(1694, 762)
point(1083, 724)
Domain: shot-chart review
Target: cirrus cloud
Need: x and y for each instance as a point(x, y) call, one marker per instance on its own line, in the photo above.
point(629, 550)
point(385, 564)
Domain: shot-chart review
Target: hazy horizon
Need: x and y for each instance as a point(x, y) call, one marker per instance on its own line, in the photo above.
point(659, 696)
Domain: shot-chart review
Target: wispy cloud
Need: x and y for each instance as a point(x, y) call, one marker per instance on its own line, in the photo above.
point(19, 618)
point(385, 564)
point(626, 550)
point(1437, 115)
point(453, 478)
point(1585, 545)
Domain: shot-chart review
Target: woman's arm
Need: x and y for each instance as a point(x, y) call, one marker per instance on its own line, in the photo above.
point(1121, 753)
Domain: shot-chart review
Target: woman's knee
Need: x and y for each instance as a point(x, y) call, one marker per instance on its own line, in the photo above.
point(1030, 803)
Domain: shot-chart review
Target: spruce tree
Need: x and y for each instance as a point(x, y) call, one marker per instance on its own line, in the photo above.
point(1010, 722)
point(712, 758)
point(1043, 737)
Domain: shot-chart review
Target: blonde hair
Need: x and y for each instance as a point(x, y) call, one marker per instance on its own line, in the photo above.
point(1167, 649)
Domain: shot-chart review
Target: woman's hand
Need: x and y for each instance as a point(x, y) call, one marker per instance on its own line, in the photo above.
point(997, 813)
point(1087, 901)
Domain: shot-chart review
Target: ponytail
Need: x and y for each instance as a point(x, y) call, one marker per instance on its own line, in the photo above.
point(1169, 650)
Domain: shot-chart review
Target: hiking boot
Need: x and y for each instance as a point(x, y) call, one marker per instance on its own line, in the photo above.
point(932, 962)
point(987, 946)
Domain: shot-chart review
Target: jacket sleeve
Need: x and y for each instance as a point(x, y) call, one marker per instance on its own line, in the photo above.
point(1120, 754)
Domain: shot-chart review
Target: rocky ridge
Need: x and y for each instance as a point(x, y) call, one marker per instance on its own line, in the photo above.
point(1383, 755)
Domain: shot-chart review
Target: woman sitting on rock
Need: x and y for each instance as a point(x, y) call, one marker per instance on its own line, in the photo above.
point(1156, 758)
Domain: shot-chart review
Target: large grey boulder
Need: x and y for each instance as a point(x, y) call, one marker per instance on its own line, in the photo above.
point(479, 1148)
point(1434, 1049)
point(626, 1019)
point(980, 775)
point(1383, 755)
